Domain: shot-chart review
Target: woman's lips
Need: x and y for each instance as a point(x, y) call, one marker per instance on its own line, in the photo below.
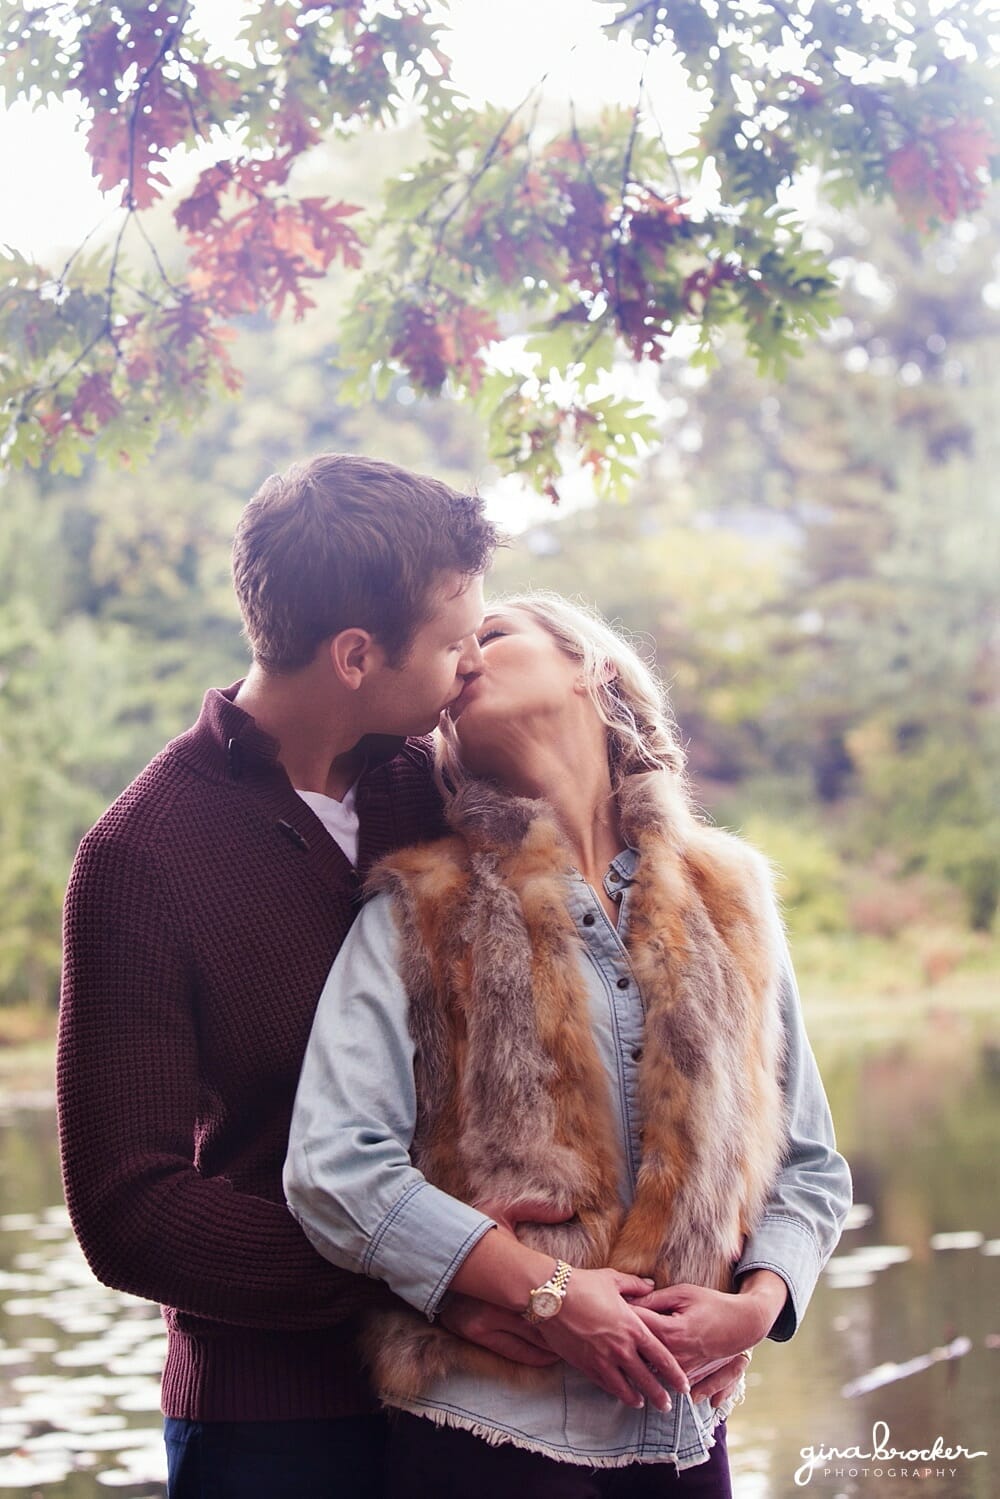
point(457, 704)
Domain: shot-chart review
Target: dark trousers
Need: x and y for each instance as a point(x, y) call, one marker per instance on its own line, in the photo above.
point(443, 1462)
point(276, 1459)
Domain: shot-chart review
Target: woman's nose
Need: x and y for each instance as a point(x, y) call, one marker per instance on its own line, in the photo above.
point(471, 662)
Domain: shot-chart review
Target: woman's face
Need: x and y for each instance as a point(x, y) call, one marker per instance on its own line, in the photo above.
point(527, 684)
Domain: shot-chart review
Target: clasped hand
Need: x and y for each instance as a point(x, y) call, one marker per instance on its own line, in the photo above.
point(704, 1328)
point(629, 1339)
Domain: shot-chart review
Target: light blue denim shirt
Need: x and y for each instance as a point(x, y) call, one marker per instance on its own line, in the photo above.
point(352, 1186)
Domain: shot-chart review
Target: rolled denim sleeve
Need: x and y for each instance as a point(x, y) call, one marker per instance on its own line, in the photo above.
point(348, 1176)
point(805, 1215)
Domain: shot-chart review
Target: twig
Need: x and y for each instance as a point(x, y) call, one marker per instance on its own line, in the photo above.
point(167, 43)
point(477, 176)
point(637, 10)
point(616, 249)
point(177, 291)
point(668, 154)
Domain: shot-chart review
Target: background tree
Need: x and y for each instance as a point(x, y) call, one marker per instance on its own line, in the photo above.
point(812, 561)
point(816, 562)
point(116, 607)
point(592, 240)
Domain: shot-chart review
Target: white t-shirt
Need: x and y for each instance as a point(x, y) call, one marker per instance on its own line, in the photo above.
point(339, 818)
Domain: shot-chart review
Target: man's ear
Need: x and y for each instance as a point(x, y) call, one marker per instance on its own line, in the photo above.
point(353, 653)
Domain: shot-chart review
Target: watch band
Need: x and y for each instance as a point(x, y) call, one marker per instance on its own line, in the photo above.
point(546, 1300)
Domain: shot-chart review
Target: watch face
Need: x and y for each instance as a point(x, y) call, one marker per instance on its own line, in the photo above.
point(545, 1303)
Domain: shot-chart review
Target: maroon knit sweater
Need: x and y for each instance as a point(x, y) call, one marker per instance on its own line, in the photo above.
point(203, 914)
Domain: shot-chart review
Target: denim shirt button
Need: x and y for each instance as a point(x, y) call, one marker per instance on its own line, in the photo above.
point(588, 920)
point(623, 982)
point(637, 1053)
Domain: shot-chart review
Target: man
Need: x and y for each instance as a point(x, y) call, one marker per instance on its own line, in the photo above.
point(203, 914)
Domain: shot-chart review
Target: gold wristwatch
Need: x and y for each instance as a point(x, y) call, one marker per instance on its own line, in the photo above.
point(546, 1301)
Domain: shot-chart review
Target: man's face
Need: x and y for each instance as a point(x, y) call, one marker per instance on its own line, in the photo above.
point(409, 699)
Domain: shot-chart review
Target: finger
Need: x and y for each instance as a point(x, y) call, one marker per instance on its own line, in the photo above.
point(525, 1210)
point(663, 1300)
point(721, 1382)
point(721, 1395)
point(633, 1285)
point(672, 1344)
point(509, 1346)
point(711, 1387)
point(646, 1382)
point(663, 1362)
point(530, 1334)
point(613, 1382)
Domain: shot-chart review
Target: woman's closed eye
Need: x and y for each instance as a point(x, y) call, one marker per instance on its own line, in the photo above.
point(489, 635)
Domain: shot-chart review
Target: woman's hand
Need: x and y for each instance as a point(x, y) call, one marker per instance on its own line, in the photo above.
point(602, 1335)
point(701, 1326)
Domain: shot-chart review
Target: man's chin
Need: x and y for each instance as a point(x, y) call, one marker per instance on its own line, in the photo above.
point(427, 726)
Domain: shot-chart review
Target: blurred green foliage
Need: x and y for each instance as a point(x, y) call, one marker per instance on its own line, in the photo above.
point(817, 563)
point(813, 563)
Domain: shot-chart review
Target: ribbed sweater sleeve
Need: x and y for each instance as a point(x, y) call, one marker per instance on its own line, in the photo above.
point(128, 1094)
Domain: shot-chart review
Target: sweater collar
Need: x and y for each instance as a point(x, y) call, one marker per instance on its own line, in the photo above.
point(226, 740)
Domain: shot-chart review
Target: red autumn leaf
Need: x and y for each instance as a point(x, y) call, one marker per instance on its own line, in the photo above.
point(127, 143)
point(115, 162)
point(52, 421)
point(941, 174)
point(139, 368)
point(253, 176)
point(908, 169)
point(263, 255)
point(196, 212)
point(368, 49)
point(181, 325)
point(700, 284)
point(810, 93)
point(215, 84)
point(99, 70)
point(419, 346)
point(94, 398)
point(469, 331)
point(331, 236)
point(431, 342)
point(963, 149)
point(295, 130)
point(583, 233)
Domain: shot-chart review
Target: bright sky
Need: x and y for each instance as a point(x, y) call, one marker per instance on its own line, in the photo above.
point(500, 50)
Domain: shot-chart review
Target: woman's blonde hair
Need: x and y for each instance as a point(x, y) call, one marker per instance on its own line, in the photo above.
point(630, 699)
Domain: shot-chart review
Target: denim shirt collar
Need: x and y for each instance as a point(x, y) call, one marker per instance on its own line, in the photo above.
point(621, 872)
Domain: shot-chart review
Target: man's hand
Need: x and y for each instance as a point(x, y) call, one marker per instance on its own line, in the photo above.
point(500, 1331)
point(721, 1383)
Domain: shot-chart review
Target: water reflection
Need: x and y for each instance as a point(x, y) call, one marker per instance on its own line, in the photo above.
point(79, 1364)
point(902, 1338)
point(904, 1328)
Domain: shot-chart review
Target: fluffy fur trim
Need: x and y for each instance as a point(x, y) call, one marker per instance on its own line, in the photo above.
point(514, 1105)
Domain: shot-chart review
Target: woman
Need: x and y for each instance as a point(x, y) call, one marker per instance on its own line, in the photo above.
point(559, 1066)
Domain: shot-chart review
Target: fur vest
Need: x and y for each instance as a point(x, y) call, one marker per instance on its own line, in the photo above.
point(514, 1104)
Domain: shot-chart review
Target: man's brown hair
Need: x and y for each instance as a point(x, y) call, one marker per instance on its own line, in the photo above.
point(340, 542)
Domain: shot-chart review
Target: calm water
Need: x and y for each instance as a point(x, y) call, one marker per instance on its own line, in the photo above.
point(921, 1126)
